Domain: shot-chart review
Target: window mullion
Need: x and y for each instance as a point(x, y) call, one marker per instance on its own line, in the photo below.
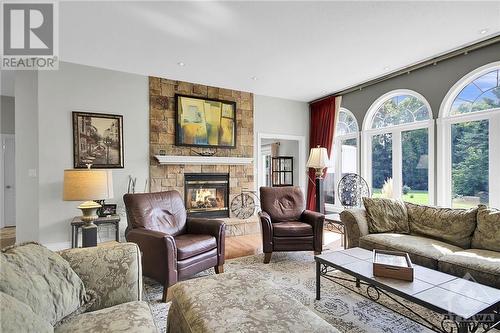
point(338, 162)
point(494, 161)
point(397, 165)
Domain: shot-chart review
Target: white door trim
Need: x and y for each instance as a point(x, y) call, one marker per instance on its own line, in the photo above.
point(2, 183)
point(302, 156)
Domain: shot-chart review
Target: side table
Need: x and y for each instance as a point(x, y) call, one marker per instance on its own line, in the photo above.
point(77, 223)
point(333, 223)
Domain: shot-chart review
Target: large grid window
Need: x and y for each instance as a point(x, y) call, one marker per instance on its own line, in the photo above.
point(344, 156)
point(469, 134)
point(398, 129)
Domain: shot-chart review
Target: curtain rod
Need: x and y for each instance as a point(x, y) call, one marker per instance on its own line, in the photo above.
point(425, 63)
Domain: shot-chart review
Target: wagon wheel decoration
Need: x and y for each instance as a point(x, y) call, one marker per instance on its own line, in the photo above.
point(243, 206)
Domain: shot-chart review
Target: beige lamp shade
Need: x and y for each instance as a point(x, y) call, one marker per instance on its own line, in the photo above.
point(318, 158)
point(87, 184)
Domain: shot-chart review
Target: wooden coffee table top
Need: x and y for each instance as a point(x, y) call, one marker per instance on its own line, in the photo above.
point(435, 290)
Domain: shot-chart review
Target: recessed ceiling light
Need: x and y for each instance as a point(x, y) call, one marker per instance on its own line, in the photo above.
point(386, 68)
point(180, 63)
point(255, 78)
point(483, 31)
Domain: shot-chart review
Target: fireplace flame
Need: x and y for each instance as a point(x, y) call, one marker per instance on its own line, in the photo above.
point(203, 194)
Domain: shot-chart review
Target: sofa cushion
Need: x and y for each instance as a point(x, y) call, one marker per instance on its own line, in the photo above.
point(18, 317)
point(487, 233)
point(190, 245)
point(43, 280)
point(112, 270)
point(423, 251)
point(292, 229)
point(454, 226)
point(482, 265)
point(131, 317)
point(386, 215)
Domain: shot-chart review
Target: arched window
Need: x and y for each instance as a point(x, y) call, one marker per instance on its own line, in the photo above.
point(344, 156)
point(469, 140)
point(398, 132)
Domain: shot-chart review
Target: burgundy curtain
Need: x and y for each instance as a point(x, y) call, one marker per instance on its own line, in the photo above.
point(321, 129)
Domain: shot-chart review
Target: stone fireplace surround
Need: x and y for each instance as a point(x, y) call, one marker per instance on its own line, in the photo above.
point(164, 177)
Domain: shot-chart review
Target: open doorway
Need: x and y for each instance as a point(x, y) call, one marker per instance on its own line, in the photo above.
point(281, 160)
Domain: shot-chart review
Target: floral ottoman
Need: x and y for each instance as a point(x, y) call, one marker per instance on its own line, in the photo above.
point(238, 302)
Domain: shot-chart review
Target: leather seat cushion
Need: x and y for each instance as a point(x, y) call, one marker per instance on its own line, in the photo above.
point(190, 245)
point(291, 229)
point(422, 250)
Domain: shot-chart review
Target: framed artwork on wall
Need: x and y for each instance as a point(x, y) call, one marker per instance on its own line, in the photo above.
point(202, 122)
point(97, 140)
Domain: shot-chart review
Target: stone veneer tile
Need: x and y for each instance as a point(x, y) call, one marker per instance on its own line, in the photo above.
point(162, 136)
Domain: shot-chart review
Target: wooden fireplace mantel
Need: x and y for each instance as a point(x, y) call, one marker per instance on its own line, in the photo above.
point(213, 160)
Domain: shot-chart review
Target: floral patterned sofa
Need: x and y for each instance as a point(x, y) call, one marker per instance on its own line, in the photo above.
point(455, 241)
point(114, 273)
point(38, 287)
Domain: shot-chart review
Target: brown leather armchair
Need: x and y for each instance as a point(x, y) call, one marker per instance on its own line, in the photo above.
point(286, 225)
point(173, 246)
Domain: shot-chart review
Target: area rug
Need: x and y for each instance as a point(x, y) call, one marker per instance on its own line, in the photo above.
point(344, 306)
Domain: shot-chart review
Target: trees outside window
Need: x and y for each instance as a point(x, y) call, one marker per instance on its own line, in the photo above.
point(469, 134)
point(398, 129)
point(344, 156)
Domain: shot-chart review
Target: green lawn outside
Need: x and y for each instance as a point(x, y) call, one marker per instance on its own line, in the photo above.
point(416, 197)
point(422, 198)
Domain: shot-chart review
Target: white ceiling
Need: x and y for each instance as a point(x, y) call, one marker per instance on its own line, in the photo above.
point(297, 50)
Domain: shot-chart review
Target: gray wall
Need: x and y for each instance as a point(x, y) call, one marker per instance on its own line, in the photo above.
point(27, 194)
point(82, 88)
point(44, 102)
point(7, 115)
point(281, 116)
point(432, 82)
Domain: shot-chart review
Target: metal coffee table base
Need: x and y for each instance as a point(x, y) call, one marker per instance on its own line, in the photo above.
point(449, 323)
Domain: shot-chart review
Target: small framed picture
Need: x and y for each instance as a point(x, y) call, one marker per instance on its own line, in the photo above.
point(97, 140)
point(108, 209)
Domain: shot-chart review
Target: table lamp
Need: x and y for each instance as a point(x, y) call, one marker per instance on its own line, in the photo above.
point(88, 185)
point(318, 159)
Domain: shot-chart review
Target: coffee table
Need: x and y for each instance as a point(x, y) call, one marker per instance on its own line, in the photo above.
point(464, 304)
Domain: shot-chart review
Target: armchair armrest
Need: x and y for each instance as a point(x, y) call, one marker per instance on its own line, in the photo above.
point(112, 271)
point(267, 232)
point(355, 221)
point(205, 226)
point(216, 228)
point(316, 220)
point(159, 254)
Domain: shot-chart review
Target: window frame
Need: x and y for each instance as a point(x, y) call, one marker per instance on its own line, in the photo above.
point(336, 157)
point(444, 124)
point(396, 130)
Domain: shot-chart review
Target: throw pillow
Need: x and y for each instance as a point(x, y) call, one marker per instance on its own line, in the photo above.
point(453, 226)
point(18, 317)
point(43, 280)
point(487, 233)
point(386, 215)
